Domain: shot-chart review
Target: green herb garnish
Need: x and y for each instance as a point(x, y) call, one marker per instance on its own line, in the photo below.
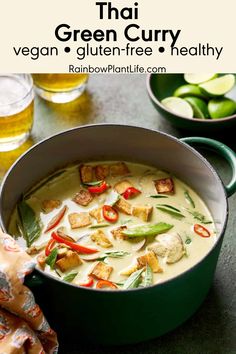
point(134, 280)
point(200, 217)
point(98, 226)
point(51, 259)
point(189, 198)
point(70, 277)
point(112, 254)
point(188, 240)
point(169, 207)
point(119, 283)
point(170, 210)
point(123, 222)
point(147, 230)
point(116, 254)
point(30, 224)
point(158, 196)
point(186, 254)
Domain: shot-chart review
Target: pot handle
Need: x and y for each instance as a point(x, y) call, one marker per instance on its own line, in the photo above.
point(222, 150)
point(33, 280)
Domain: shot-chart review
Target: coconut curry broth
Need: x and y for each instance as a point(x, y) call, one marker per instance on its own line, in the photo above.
point(134, 195)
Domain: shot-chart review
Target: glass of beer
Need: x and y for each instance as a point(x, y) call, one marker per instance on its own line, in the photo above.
point(60, 88)
point(16, 109)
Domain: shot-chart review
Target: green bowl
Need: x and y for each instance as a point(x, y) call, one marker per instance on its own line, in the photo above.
point(160, 86)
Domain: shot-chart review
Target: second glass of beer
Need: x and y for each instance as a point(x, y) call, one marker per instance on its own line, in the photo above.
point(60, 88)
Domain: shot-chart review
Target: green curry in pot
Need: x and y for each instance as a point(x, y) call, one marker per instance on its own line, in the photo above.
point(113, 225)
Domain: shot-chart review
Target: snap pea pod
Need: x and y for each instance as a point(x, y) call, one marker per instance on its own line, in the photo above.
point(51, 259)
point(148, 277)
point(147, 230)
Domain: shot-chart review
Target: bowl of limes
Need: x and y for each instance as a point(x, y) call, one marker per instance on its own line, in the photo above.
point(200, 102)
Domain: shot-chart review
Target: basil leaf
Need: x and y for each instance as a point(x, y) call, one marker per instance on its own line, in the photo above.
point(147, 230)
point(30, 224)
point(171, 211)
point(98, 226)
point(134, 280)
point(96, 183)
point(119, 283)
point(189, 198)
point(200, 217)
point(158, 196)
point(51, 259)
point(148, 277)
point(169, 207)
point(70, 277)
point(102, 258)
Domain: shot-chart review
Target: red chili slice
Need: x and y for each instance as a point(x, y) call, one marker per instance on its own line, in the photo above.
point(89, 283)
point(105, 284)
point(201, 230)
point(109, 213)
point(56, 220)
point(49, 246)
point(98, 189)
point(130, 192)
point(72, 245)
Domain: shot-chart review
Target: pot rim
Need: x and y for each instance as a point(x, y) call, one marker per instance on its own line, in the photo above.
point(203, 121)
point(88, 126)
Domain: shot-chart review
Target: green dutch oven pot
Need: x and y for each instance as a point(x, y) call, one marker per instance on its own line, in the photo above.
point(121, 317)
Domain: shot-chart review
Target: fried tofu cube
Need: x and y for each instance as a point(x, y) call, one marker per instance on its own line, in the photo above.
point(101, 171)
point(49, 205)
point(142, 212)
point(164, 186)
point(150, 259)
point(101, 271)
point(97, 214)
point(69, 261)
point(123, 206)
point(86, 173)
point(119, 169)
point(78, 220)
point(100, 239)
point(121, 186)
point(118, 233)
point(83, 197)
point(130, 270)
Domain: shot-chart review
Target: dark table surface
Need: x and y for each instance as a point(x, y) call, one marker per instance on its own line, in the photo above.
point(123, 99)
